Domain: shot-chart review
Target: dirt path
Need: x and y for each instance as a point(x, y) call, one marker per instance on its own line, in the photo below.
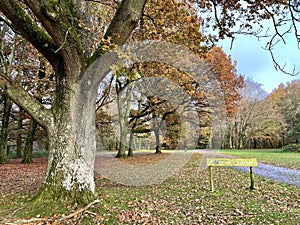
point(281, 174)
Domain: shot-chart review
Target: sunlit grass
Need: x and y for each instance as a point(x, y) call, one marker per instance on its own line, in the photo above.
point(276, 157)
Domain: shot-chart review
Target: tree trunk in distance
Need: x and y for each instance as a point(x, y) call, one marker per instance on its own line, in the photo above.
point(130, 149)
point(19, 138)
point(4, 129)
point(27, 155)
point(157, 140)
point(122, 148)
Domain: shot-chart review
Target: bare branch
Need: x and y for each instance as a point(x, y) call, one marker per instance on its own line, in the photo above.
point(297, 35)
point(275, 25)
point(151, 19)
point(9, 24)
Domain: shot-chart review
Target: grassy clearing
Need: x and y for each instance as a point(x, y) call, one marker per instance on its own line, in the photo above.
point(183, 198)
point(275, 157)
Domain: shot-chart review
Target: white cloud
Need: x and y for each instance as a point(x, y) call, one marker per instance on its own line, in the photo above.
point(254, 61)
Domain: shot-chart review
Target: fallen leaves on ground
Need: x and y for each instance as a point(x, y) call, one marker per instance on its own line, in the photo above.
point(183, 198)
point(145, 159)
point(15, 176)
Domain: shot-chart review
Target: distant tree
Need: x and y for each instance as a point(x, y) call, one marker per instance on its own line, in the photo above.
point(6, 61)
point(258, 123)
point(105, 134)
point(225, 71)
point(250, 114)
point(230, 89)
point(291, 111)
point(174, 131)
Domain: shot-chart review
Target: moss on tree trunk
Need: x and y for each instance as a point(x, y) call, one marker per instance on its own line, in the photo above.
point(50, 194)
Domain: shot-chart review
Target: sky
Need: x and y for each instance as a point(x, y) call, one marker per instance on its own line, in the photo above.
point(253, 61)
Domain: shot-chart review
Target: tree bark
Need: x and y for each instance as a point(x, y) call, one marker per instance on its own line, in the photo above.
point(19, 137)
point(157, 140)
point(72, 148)
point(123, 122)
point(4, 129)
point(27, 154)
point(130, 149)
point(122, 147)
point(70, 123)
point(123, 101)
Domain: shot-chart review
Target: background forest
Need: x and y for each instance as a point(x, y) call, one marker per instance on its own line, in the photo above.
point(254, 118)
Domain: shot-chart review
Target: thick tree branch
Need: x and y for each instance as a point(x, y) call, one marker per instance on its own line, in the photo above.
point(60, 21)
point(23, 99)
point(113, 4)
point(23, 23)
point(125, 20)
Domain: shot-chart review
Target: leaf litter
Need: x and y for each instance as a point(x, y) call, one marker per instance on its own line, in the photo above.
point(184, 198)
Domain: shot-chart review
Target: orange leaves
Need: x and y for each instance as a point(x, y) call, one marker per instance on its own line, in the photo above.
point(181, 80)
point(173, 21)
point(225, 72)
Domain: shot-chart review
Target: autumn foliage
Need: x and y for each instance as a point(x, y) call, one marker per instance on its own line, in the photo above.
point(225, 71)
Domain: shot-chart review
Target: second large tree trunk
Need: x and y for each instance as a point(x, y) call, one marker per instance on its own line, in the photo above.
point(19, 137)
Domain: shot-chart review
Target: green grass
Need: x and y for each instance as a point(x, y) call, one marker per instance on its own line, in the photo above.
point(275, 157)
point(35, 154)
point(184, 198)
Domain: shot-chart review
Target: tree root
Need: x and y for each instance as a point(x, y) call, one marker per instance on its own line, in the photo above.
point(61, 219)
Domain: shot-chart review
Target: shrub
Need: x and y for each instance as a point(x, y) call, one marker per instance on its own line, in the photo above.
point(291, 148)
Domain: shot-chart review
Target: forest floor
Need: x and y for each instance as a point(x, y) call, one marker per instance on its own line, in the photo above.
point(16, 177)
point(181, 198)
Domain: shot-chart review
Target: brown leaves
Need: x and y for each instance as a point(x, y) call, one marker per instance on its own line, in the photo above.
point(16, 177)
point(225, 72)
point(172, 21)
point(143, 159)
point(182, 199)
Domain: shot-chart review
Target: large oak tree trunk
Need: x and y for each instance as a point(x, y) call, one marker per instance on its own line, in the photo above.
point(72, 148)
